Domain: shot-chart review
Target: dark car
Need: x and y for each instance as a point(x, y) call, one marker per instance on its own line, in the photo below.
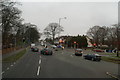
point(34, 49)
point(93, 57)
point(46, 51)
point(78, 52)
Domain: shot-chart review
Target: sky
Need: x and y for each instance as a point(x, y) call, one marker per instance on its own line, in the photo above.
point(80, 16)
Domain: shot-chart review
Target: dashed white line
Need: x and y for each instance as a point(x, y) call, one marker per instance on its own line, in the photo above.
point(71, 55)
point(14, 63)
point(40, 56)
point(40, 61)
point(38, 71)
point(11, 65)
point(2, 72)
point(8, 68)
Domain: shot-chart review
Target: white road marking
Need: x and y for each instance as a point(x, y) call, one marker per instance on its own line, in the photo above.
point(40, 61)
point(71, 55)
point(8, 68)
point(2, 72)
point(38, 71)
point(111, 75)
point(14, 63)
point(11, 65)
point(40, 56)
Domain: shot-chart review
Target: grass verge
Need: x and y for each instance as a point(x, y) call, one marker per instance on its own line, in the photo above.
point(15, 57)
point(111, 59)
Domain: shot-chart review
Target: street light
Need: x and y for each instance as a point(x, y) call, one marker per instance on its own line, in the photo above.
point(60, 21)
point(28, 28)
point(14, 33)
point(61, 18)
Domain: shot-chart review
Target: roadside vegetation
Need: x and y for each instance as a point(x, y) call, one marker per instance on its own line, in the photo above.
point(113, 59)
point(105, 37)
point(15, 32)
point(15, 57)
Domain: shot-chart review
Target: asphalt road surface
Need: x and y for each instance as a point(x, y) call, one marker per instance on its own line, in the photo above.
point(62, 64)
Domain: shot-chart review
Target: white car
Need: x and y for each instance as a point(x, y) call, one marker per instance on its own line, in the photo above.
point(53, 46)
point(32, 45)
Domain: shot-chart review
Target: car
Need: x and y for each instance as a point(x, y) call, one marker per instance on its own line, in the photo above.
point(60, 46)
point(78, 52)
point(93, 57)
point(53, 46)
point(34, 49)
point(32, 45)
point(98, 50)
point(46, 51)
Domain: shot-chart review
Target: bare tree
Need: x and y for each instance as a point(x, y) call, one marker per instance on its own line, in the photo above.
point(52, 29)
point(94, 34)
point(117, 35)
point(102, 33)
point(111, 38)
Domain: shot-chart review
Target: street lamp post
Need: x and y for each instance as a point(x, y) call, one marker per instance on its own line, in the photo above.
point(28, 28)
point(15, 32)
point(60, 21)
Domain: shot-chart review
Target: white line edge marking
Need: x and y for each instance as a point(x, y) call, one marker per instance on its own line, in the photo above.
point(38, 70)
point(2, 72)
point(40, 61)
point(111, 75)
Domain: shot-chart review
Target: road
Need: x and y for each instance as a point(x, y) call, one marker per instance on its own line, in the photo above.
point(62, 64)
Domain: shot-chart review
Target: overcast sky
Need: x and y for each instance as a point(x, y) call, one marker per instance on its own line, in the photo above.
point(80, 15)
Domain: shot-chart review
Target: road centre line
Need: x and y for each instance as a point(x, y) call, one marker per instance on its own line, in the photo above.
point(11, 65)
point(71, 55)
point(40, 61)
point(2, 72)
point(38, 71)
point(8, 68)
point(40, 56)
point(14, 63)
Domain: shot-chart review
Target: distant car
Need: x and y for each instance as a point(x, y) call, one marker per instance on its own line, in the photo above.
point(59, 46)
point(46, 51)
point(32, 45)
point(78, 52)
point(93, 57)
point(98, 50)
point(34, 49)
point(53, 46)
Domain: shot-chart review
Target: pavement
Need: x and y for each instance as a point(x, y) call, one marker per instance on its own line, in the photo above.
point(62, 64)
